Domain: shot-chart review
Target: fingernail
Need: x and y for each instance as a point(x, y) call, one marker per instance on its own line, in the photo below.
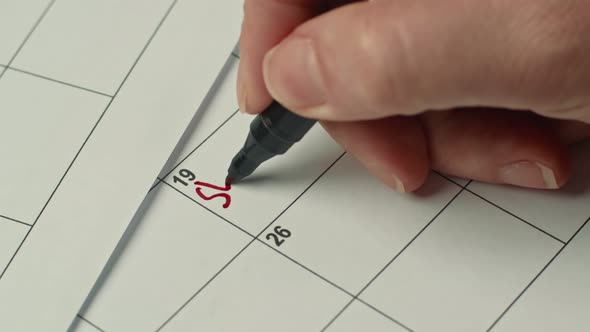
point(398, 185)
point(548, 177)
point(384, 174)
point(241, 95)
point(528, 174)
point(291, 73)
point(242, 104)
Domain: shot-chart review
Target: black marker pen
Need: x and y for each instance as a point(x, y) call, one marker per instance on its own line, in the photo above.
point(272, 133)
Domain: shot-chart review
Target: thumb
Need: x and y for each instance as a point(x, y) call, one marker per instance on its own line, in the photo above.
point(374, 59)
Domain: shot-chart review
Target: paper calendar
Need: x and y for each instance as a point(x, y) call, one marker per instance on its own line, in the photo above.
point(94, 96)
point(119, 119)
point(339, 251)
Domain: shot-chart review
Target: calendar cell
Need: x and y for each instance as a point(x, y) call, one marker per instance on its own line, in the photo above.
point(177, 247)
point(255, 202)
point(558, 300)
point(561, 212)
point(357, 237)
point(463, 270)
point(261, 291)
point(46, 123)
point(92, 43)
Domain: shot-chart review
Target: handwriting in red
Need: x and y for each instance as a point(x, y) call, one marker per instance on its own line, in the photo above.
point(223, 194)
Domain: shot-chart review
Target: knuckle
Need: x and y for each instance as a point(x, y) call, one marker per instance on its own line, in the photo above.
point(387, 65)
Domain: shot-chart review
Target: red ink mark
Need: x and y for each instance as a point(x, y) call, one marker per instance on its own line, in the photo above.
point(212, 186)
point(208, 198)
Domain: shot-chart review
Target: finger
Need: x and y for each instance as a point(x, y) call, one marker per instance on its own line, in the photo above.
point(373, 59)
point(496, 147)
point(393, 149)
point(265, 23)
point(571, 132)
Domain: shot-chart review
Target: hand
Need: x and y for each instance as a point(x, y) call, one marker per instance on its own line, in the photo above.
point(491, 90)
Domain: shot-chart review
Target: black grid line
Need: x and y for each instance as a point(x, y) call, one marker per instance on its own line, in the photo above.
point(257, 238)
point(451, 180)
point(515, 216)
point(392, 260)
point(283, 254)
point(302, 193)
point(60, 82)
point(384, 314)
point(16, 221)
point(160, 23)
point(22, 44)
point(254, 238)
point(536, 277)
point(204, 286)
point(160, 179)
point(306, 268)
point(90, 323)
point(355, 298)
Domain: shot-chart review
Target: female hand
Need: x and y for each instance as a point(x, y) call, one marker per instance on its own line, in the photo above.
point(491, 90)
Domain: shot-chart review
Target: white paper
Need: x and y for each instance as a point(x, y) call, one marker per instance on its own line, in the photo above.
point(311, 242)
point(358, 256)
point(17, 18)
point(94, 96)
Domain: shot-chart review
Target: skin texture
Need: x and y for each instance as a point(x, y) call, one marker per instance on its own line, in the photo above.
point(489, 90)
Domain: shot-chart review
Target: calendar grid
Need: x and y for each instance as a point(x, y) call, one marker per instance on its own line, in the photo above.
point(160, 23)
point(537, 277)
point(205, 285)
point(464, 188)
point(306, 268)
point(517, 217)
point(257, 238)
point(22, 44)
point(391, 261)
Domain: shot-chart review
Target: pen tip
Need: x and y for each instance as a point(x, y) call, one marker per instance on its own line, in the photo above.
point(233, 179)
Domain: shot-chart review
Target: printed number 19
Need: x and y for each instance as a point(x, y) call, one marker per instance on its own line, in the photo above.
point(186, 174)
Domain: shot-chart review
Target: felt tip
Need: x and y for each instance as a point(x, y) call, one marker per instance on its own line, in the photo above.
point(233, 179)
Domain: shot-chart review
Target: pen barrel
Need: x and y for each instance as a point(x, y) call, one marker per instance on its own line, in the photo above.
point(278, 129)
point(272, 133)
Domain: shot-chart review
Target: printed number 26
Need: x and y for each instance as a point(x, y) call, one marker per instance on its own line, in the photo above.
point(279, 235)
